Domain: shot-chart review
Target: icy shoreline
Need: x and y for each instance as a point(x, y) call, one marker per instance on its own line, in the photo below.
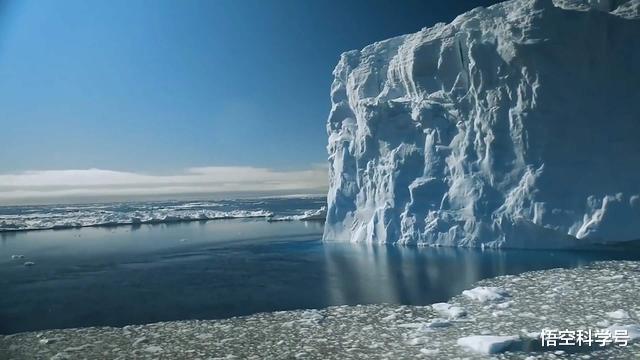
point(502, 316)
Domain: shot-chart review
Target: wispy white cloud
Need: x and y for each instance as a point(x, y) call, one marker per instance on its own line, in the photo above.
point(47, 184)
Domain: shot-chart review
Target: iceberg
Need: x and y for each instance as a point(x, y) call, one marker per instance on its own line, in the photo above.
point(516, 125)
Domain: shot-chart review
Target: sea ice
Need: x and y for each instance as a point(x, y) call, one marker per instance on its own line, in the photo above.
point(486, 294)
point(429, 351)
point(618, 314)
point(42, 217)
point(153, 349)
point(632, 331)
point(307, 215)
point(448, 310)
point(371, 332)
point(437, 323)
point(487, 344)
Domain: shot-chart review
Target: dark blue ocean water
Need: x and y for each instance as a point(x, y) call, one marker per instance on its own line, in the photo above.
point(145, 273)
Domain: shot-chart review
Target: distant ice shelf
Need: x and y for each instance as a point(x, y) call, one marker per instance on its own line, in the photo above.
point(516, 125)
point(45, 217)
point(308, 215)
point(105, 219)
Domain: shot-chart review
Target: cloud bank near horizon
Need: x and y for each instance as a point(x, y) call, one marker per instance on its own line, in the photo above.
point(50, 185)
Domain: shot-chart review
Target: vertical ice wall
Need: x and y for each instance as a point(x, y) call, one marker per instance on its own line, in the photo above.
point(516, 125)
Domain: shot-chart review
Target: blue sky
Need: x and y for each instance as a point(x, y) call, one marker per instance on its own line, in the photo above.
point(162, 86)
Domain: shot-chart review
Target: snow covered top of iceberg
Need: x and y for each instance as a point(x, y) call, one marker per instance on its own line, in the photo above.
point(515, 125)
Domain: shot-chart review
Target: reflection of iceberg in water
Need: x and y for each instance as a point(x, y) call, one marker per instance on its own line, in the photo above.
point(361, 273)
point(398, 274)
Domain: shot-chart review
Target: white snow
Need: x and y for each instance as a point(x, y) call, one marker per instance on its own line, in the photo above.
point(495, 130)
point(486, 294)
point(486, 344)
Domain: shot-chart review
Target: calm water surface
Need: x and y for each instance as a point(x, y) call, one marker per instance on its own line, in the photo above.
point(224, 268)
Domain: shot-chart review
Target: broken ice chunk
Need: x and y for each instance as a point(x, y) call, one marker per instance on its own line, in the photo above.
point(487, 344)
point(486, 294)
point(448, 310)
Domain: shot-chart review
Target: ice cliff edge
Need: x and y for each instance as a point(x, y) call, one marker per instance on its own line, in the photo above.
point(516, 125)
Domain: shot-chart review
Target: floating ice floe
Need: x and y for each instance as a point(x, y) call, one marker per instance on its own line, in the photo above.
point(48, 340)
point(632, 331)
point(153, 349)
point(487, 344)
point(448, 310)
point(429, 351)
point(436, 324)
point(29, 263)
point(486, 294)
point(618, 314)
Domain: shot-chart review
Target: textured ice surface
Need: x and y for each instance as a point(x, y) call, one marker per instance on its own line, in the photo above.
point(319, 214)
point(553, 299)
point(513, 126)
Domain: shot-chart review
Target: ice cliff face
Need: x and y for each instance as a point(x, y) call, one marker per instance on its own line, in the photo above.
point(516, 125)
